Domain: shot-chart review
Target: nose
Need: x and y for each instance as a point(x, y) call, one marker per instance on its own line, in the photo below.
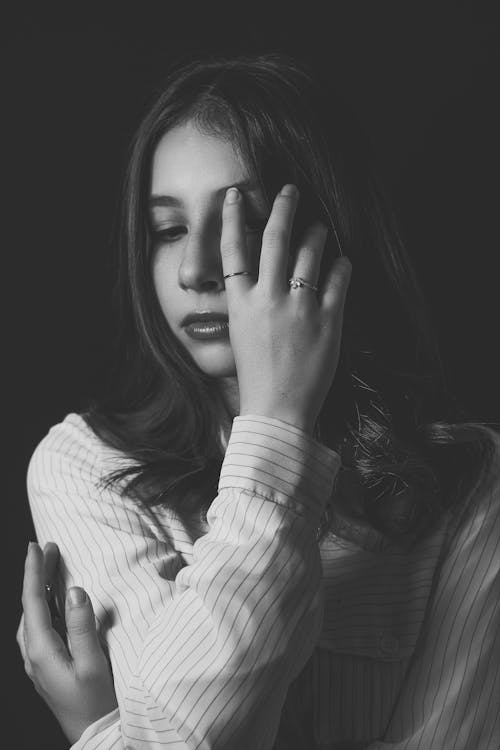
point(201, 265)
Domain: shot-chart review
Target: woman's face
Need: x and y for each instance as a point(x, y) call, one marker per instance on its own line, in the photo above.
point(191, 172)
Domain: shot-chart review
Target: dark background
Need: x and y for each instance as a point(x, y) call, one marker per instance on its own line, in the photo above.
point(422, 78)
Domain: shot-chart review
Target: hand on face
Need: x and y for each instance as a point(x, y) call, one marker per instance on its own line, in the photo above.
point(286, 342)
point(74, 680)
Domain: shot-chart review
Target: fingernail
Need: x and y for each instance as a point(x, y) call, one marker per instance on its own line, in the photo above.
point(232, 195)
point(77, 597)
point(288, 191)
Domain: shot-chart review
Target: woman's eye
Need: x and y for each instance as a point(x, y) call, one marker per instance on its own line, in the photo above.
point(170, 234)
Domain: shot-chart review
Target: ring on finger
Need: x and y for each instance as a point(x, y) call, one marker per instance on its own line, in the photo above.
point(297, 282)
point(238, 273)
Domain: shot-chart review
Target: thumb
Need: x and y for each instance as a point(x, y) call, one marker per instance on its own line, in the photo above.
point(83, 642)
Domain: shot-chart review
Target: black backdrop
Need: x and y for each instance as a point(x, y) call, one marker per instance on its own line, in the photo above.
point(423, 78)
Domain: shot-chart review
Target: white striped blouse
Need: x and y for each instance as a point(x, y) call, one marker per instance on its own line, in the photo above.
point(253, 635)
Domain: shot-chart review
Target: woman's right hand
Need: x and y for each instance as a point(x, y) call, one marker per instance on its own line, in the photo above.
point(286, 342)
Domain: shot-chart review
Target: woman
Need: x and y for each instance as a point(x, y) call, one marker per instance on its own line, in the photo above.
point(285, 530)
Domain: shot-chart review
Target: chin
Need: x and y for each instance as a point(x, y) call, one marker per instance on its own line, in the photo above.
point(216, 364)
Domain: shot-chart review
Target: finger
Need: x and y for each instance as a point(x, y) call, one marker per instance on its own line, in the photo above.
point(21, 642)
point(333, 295)
point(40, 638)
point(276, 242)
point(36, 611)
point(51, 559)
point(308, 256)
point(233, 245)
point(83, 641)
point(25, 640)
point(50, 562)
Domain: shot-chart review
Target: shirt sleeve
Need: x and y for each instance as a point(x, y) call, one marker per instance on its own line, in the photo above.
point(450, 699)
point(211, 656)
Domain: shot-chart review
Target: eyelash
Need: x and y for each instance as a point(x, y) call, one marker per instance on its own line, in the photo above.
point(171, 235)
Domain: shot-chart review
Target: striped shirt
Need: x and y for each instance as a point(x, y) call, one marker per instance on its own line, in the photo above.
point(251, 634)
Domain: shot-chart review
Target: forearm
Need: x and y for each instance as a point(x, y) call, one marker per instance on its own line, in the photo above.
point(219, 659)
point(247, 612)
point(208, 648)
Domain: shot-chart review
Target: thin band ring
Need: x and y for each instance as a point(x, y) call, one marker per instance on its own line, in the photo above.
point(238, 273)
point(297, 282)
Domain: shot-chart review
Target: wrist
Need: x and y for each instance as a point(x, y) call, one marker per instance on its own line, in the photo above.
point(306, 424)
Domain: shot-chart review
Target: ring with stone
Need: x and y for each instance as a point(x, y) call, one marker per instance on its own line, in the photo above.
point(297, 282)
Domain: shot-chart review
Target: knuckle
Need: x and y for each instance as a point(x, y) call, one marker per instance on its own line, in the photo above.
point(20, 641)
point(229, 248)
point(79, 629)
point(59, 653)
point(35, 654)
point(20, 632)
point(88, 672)
point(29, 669)
point(274, 236)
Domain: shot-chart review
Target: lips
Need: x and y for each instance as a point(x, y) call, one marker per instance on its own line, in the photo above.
point(207, 325)
point(205, 317)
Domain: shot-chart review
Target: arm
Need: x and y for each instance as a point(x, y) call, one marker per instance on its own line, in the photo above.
point(205, 657)
point(228, 632)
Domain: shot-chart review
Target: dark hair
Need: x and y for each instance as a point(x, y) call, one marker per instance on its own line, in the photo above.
point(388, 412)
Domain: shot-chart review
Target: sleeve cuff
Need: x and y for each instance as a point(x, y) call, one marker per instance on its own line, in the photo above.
point(95, 729)
point(279, 461)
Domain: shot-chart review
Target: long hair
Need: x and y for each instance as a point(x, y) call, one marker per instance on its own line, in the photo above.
point(388, 412)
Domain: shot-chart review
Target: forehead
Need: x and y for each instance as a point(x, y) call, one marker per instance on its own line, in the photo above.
point(186, 159)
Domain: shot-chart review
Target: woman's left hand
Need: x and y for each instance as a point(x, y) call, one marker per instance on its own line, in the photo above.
point(74, 680)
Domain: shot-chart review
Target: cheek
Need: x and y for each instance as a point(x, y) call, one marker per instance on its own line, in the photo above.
point(162, 274)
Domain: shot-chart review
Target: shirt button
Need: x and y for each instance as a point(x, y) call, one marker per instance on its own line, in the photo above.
point(388, 644)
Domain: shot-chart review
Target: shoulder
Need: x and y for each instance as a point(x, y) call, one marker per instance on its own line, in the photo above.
point(67, 489)
point(484, 500)
point(71, 451)
point(475, 531)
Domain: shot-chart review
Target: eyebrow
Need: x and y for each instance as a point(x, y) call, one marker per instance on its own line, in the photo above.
point(169, 201)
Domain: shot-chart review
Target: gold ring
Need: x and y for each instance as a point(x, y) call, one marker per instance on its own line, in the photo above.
point(238, 273)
